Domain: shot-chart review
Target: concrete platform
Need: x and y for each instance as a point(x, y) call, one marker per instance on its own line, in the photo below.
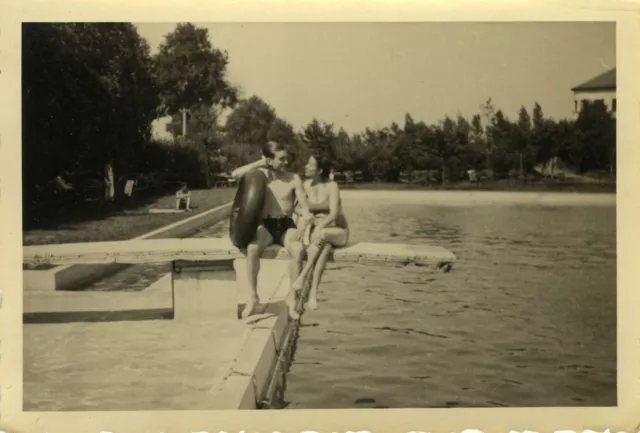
point(71, 362)
point(155, 302)
point(216, 249)
point(73, 276)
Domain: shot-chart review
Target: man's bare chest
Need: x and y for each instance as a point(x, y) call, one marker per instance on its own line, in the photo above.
point(281, 190)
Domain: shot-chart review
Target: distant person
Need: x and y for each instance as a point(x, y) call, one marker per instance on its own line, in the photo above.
point(183, 198)
point(277, 225)
point(329, 228)
point(62, 184)
point(473, 176)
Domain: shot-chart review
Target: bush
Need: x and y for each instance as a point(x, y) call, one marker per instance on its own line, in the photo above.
point(166, 164)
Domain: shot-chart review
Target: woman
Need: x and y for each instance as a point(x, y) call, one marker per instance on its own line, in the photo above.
point(329, 228)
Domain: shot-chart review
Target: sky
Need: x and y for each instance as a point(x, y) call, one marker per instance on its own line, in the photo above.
point(359, 75)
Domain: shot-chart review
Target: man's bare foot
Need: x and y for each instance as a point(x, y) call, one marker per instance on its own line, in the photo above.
point(291, 303)
point(250, 308)
point(312, 304)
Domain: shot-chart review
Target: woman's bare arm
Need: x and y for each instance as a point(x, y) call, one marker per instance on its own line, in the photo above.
point(334, 206)
point(301, 196)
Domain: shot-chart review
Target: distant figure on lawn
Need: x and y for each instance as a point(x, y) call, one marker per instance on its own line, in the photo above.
point(473, 176)
point(183, 198)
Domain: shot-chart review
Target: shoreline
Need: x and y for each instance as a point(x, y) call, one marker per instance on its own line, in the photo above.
point(567, 187)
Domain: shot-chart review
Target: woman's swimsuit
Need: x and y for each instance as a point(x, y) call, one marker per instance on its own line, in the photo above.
point(321, 209)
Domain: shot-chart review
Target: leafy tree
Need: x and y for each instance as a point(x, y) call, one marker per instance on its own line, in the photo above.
point(93, 106)
point(191, 72)
point(521, 143)
point(538, 118)
point(250, 122)
point(594, 144)
point(346, 152)
point(500, 134)
point(281, 131)
point(320, 137)
point(477, 143)
point(540, 135)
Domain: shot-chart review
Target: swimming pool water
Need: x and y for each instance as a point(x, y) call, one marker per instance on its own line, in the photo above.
point(527, 316)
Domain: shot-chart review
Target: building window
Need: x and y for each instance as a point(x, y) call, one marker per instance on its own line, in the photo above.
point(575, 106)
point(614, 105)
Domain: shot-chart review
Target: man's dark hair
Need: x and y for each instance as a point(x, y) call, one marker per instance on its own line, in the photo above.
point(271, 147)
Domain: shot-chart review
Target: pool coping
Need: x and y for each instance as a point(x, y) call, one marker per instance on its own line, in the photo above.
point(249, 376)
point(70, 277)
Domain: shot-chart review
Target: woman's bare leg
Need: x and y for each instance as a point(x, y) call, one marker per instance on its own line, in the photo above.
point(313, 251)
point(336, 236)
point(329, 237)
point(321, 264)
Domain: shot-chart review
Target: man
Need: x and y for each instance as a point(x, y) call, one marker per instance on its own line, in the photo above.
point(277, 226)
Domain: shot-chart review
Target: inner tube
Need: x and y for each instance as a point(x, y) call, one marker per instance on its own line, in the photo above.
point(247, 208)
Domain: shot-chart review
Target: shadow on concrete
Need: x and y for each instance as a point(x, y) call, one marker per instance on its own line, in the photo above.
point(98, 316)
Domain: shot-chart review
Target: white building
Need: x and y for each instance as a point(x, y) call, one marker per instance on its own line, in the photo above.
point(601, 87)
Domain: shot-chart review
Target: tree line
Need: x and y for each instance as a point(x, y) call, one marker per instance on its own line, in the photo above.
point(92, 90)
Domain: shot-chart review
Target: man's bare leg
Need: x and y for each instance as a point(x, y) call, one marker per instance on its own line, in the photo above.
point(254, 250)
point(296, 251)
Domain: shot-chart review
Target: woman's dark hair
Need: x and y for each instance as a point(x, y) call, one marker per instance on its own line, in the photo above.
point(324, 166)
point(271, 147)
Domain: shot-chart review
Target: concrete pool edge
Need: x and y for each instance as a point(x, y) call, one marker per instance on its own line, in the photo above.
point(249, 376)
point(69, 277)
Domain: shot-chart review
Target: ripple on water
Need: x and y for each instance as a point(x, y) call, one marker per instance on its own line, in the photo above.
point(527, 309)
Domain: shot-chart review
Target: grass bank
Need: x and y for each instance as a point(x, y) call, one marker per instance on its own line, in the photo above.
point(122, 223)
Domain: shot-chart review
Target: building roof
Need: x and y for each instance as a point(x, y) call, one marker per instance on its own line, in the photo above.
point(604, 81)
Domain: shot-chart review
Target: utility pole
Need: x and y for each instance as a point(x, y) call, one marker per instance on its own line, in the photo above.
point(184, 122)
point(521, 167)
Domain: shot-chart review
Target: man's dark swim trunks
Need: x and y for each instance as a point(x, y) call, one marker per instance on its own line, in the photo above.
point(278, 226)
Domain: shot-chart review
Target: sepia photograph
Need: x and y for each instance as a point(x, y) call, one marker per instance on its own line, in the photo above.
point(341, 216)
point(207, 215)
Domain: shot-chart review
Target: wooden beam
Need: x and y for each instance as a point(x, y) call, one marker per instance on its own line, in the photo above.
point(216, 249)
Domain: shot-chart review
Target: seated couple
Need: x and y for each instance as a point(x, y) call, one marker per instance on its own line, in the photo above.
point(321, 224)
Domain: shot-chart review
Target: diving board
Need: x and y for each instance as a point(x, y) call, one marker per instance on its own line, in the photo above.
point(220, 249)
